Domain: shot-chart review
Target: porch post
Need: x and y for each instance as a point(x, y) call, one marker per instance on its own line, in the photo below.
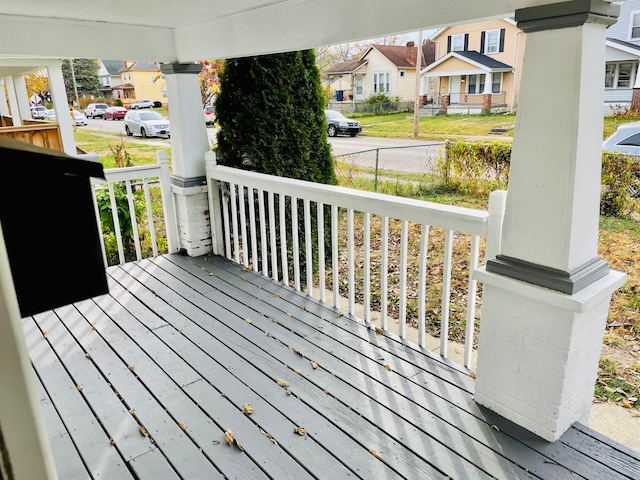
point(487, 94)
point(546, 296)
point(189, 143)
point(61, 106)
point(635, 96)
point(13, 101)
point(4, 107)
point(20, 85)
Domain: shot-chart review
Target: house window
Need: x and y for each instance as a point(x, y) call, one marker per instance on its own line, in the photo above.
point(402, 73)
point(457, 43)
point(634, 34)
point(431, 84)
point(381, 82)
point(492, 41)
point(475, 84)
point(496, 83)
point(620, 74)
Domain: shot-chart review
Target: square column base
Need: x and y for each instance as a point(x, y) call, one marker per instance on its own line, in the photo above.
point(192, 216)
point(539, 350)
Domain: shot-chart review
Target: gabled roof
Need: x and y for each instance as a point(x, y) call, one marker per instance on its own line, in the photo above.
point(475, 59)
point(141, 66)
point(404, 56)
point(113, 67)
point(624, 46)
point(345, 67)
point(124, 86)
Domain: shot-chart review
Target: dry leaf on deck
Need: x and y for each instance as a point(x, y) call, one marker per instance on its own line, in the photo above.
point(131, 411)
point(287, 391)
point(93, 326)
point(299, 372)
point(45, 334)
point(303, 308)
point(379, 331)
point(295, 350)
point(276, 295)
point(281, 382)
point(183, 426)
point(248, 409)
point(300, 431)
point(228, 437)
point(143, 431)
point(248, 320)
point(79, 387)
point(314, 364)
point(375, 454)
point(495, 427)
point(387, 367)
point(472, 375)
point(112, 441)
point(132, 368)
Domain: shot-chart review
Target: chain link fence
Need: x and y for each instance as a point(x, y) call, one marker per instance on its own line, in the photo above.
point(380, 169)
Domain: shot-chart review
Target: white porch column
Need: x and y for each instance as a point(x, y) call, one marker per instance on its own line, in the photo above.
point(61, 106)
point(13, 101)
point(189, 143)
point(546, 296)
point(488, 79)
point(20, 85)
point(4, 107)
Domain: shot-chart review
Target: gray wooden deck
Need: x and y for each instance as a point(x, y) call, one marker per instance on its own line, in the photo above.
point(144, 382)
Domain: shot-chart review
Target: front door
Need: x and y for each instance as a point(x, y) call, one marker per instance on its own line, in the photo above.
point(359, 90)
point(454, 88)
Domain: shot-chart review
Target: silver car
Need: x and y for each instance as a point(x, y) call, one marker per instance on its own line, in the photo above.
point(626, 139)
point(146, 124)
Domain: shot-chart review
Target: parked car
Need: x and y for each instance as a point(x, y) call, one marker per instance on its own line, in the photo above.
point(146, 124)
point(79, 118)
point(142, 104)
point(209, 115)
point(338, 124)
point(115, 113)
point(38, 112)
point(94, 110)
point(50, 115)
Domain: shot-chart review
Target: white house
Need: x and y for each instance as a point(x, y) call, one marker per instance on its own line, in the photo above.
point(109, 76)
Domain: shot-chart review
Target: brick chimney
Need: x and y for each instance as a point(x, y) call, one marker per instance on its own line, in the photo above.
point(411, 44)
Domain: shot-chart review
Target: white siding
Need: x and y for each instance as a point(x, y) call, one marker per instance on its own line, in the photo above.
point(615, 55)
point(378, 63)
point(620, 30)
point(618, 95)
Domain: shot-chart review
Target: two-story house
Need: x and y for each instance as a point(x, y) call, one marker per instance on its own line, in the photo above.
point(622, 89)
point(381, 69)
point(141, 80)
point(476, 63)
point(109, 76)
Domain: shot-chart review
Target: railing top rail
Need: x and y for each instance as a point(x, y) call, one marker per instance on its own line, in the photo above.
point(131, 173)
point(459, 219)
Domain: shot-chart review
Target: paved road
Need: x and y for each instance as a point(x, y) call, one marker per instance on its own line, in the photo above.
point(400, 159)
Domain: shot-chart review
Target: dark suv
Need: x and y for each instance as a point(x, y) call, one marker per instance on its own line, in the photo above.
point(339, 124)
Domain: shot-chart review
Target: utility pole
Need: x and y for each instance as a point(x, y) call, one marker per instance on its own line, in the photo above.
point(73, 79)
point(416, 105)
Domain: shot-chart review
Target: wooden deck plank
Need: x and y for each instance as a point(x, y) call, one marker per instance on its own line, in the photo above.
point(105, 404)
point(148, 412)
point(555, 453)
point(199, 428)
point(318, 459)
point(101, 459)
point(65, 454)
point(496, 440)
point(443, 439)
point(224, 415)
point(347, 420)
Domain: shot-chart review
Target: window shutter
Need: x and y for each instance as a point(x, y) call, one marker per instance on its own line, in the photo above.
point(466, 42)
point(448, 43)
point(501, 40)
point(482, 42)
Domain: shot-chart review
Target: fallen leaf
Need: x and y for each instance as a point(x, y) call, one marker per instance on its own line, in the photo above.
point(495, 427)
point(295, 350)
point(131, 410)
point(45, 335)
point(248, 409)
point(281, 382)
point(340, 314)
point(300, 431)
point(303, 308)
point(79, 387)
point(379, 331)
point(112, 441)
point(472, 375)
point(276, 295)
point(132, 368)
point(287, 391)
point(183, 426)
point(299, 372)
point(248, 320)
point(314, 364)
point(143, 431)
point(387, 367)
point(93, 326)
point(228, 437)
point(375, 454)
point(247, 269)
point(626, 403)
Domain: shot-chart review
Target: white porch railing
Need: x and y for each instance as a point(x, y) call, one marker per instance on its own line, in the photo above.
point(145, 179)
point(250, 210)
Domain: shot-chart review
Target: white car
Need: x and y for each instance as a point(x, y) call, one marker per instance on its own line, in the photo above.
point(94, 110)
point(146, 124)
point(142, 104)
point(79, 118)
point(209, 115)
point(38, 112)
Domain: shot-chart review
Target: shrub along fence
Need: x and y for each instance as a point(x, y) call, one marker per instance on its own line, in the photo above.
point(474, 168)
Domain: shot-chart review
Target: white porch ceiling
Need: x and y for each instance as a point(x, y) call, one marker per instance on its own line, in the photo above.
point(191, 30)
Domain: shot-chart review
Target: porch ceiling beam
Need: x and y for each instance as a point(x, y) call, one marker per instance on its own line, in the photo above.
point(309, 24)
point(22, 36)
